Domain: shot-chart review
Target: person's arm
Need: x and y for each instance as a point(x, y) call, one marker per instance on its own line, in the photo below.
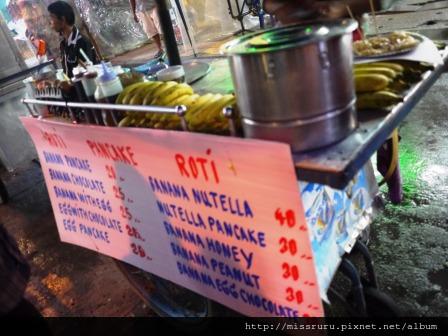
point(88, 48)
point(290, 11)
point(337, 9)
point(133, 8)
point(63, 56)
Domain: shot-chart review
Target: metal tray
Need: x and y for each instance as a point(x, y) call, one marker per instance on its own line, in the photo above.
point(418, 37)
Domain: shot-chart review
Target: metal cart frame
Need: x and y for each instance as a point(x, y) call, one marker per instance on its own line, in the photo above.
point(161, 302)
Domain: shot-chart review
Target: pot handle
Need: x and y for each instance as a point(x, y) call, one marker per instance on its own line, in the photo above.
point(323, 56)
point(270, 68)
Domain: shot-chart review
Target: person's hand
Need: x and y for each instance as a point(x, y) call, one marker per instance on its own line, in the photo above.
point(65, 86)
point(287, 11)
point(293, 11)
point(331, 9)
point(136, 18)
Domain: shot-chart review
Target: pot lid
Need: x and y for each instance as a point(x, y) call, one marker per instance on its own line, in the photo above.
point(289, 37)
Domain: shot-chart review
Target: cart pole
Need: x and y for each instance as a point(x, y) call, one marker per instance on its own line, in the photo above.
point(168, 33)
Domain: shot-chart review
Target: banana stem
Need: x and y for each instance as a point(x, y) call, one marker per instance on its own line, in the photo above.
point(394, 162)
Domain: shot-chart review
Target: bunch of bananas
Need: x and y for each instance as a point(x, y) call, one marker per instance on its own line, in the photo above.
point(372, 83)
point(380, 85)
point(203, 112)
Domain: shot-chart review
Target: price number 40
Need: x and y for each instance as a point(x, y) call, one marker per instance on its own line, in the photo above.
point(288, 218)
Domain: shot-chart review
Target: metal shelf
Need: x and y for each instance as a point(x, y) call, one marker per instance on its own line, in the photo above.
point(337, 165)
point(24, 73)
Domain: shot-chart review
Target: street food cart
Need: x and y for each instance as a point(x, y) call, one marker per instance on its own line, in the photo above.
point(193, 218)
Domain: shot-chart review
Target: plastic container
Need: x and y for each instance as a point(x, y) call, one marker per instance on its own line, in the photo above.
point(174, 73)
point(88, 82)
point(77, 80)
point(108, 88)
point(89, 85)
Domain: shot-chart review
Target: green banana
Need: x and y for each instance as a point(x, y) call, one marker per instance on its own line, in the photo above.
point(377, 100)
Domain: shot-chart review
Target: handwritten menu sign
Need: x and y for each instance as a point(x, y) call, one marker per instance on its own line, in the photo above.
point(220, 216)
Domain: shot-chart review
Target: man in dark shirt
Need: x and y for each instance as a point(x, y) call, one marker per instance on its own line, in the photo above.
point(62, 19)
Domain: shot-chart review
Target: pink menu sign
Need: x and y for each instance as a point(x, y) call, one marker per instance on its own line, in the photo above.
point(220, 216)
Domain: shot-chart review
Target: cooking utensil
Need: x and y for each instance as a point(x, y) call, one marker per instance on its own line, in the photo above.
point(295, 84)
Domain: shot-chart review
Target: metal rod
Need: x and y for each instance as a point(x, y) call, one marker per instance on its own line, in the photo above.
point(229, 114)
point(30, 111)
point(129, 108)
point(72, 115)
point(187, 28)
point(168, 33)
point(44, 102)
point(181, 111)
point(25, 73)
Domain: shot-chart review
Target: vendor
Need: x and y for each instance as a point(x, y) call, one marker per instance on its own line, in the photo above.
point(62, 18)
point(291, 11)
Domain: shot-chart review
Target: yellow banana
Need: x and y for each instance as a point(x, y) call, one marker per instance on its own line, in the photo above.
point(137, 99)
point(216, 109)
point(136, 93)
point(377, 100)
point(127, 90)
point(141, 122)
point(126, 121)
point(398, 86)
point(182, 99)
point(393, 66)
point(200, 115)
point(186, 100)
point(198, 104)
point(179, 91)
point(165, 88)
point(173, 125)
point(221, 127)
point(150, 93)
point(416, 66)
point(370, 82)
point(376, 70)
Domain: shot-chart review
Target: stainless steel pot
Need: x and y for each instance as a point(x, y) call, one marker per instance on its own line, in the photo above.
point(295, 83)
